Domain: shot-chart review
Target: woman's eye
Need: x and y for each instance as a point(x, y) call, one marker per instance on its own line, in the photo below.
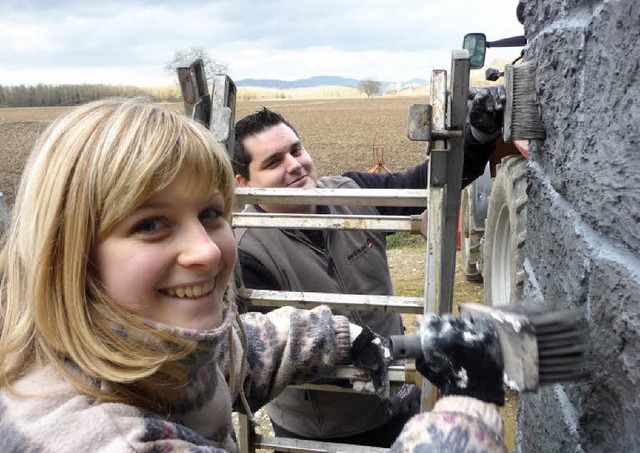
point(149, 226)
point(211, 214)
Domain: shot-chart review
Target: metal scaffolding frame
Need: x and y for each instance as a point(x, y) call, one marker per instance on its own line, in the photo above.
point(440, 125)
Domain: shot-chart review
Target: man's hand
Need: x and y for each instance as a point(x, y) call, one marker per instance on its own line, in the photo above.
point(371, 352)
point(462, 357)
point(486, 112)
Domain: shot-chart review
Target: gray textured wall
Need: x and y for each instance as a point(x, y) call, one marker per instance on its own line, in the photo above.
point(584, 216)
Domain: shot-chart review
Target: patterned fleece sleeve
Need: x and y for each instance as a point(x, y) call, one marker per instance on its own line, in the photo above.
point(456, 424)
point(290, 344)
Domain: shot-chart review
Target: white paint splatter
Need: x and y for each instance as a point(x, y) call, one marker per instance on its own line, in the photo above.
point(569, 412)
point(513, 385)
point(462, 379)
point(446, 327)
point(471, 337)
point(385, 350)
point(503, 317)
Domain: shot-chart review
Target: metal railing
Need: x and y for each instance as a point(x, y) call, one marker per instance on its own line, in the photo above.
point(440, 125)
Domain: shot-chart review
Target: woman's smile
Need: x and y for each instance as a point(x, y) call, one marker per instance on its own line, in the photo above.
point(171, 259)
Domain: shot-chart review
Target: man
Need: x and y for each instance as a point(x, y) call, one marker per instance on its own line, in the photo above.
point(269, 153)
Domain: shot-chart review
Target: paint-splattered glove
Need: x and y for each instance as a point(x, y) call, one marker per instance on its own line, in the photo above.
point(462, 357)
point(371, 352)
point(486, 113)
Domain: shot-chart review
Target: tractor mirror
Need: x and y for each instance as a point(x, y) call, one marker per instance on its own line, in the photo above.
point(476, 44)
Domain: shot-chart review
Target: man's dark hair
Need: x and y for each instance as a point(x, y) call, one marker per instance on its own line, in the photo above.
point(251, 125)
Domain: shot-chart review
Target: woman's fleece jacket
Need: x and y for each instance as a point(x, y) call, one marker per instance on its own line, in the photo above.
point(283, 345)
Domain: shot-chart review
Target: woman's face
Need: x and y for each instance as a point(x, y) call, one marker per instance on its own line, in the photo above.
point(171, 259)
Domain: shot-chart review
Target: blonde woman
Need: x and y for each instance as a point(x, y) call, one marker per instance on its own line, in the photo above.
point(118, 328)
point(118, 332)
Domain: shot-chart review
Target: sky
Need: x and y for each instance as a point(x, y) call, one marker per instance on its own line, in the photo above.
point(129, 42)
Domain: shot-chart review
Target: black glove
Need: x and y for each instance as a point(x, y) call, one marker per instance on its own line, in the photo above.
point(371, 352)
point(486, 113)
point(462, 357)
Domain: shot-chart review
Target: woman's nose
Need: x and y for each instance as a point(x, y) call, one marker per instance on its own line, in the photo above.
point(197, 248)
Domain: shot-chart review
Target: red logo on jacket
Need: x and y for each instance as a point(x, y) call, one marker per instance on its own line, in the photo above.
point(360, 251)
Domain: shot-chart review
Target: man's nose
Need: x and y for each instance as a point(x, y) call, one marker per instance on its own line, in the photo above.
point(292, 164)
point(197, 248)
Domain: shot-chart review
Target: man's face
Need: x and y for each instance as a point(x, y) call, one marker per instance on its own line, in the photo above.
point(278, 159)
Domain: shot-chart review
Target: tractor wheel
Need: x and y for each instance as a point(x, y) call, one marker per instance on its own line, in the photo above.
point(505, 233)
point(470, 239)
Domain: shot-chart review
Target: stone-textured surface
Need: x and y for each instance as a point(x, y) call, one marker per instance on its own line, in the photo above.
point(587, 81)
point(584, 216)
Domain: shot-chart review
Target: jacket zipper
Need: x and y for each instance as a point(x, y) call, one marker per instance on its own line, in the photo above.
point(332, 270)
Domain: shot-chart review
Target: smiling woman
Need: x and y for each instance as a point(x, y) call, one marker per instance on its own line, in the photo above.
point(171, 259)
point(116, 311)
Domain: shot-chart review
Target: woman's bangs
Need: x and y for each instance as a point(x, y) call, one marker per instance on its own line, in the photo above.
point(202, 160)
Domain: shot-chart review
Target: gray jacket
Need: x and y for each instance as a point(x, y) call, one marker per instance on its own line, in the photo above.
point(353, 262)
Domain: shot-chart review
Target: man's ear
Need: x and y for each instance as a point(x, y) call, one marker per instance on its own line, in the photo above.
point(241, 181)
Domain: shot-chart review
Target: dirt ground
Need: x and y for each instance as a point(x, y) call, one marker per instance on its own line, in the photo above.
point(339, 133)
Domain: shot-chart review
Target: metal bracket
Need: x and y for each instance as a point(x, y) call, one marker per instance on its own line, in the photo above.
point(223, 108)
point(195, 93)
point(215, 111)
point(419, 224)
point(419, 124)
point(419, 129)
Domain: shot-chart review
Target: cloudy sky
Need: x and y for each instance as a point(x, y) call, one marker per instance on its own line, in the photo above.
point(130, 41)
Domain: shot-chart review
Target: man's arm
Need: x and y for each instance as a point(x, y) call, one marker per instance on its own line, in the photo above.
point(476, 156)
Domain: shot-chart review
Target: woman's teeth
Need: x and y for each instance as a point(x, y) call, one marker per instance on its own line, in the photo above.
point(190, 291)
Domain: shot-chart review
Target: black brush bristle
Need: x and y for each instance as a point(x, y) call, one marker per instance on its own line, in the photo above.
point(563, 343)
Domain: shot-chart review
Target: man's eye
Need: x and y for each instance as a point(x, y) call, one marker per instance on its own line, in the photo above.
point(149, 226)
point(271, 164)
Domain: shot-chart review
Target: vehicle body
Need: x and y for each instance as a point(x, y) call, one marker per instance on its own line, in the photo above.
point(494, 207)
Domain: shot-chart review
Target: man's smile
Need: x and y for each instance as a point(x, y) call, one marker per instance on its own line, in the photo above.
point(301, 181)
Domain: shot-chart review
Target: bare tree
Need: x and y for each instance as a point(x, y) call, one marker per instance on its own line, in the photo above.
point(370, 87)
point(187, 56)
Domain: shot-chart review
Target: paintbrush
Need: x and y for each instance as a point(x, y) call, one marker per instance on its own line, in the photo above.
point(538, 347)
point(521, 112)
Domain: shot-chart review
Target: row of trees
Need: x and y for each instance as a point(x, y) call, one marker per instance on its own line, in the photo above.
point(57, 95)
point(60, 95)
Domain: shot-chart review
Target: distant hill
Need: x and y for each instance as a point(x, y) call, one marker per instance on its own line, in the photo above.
point(316, 81)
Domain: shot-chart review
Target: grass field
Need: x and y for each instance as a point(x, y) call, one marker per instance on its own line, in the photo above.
point(340, 134)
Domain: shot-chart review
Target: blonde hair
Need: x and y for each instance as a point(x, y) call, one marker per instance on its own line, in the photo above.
point(90, 169)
